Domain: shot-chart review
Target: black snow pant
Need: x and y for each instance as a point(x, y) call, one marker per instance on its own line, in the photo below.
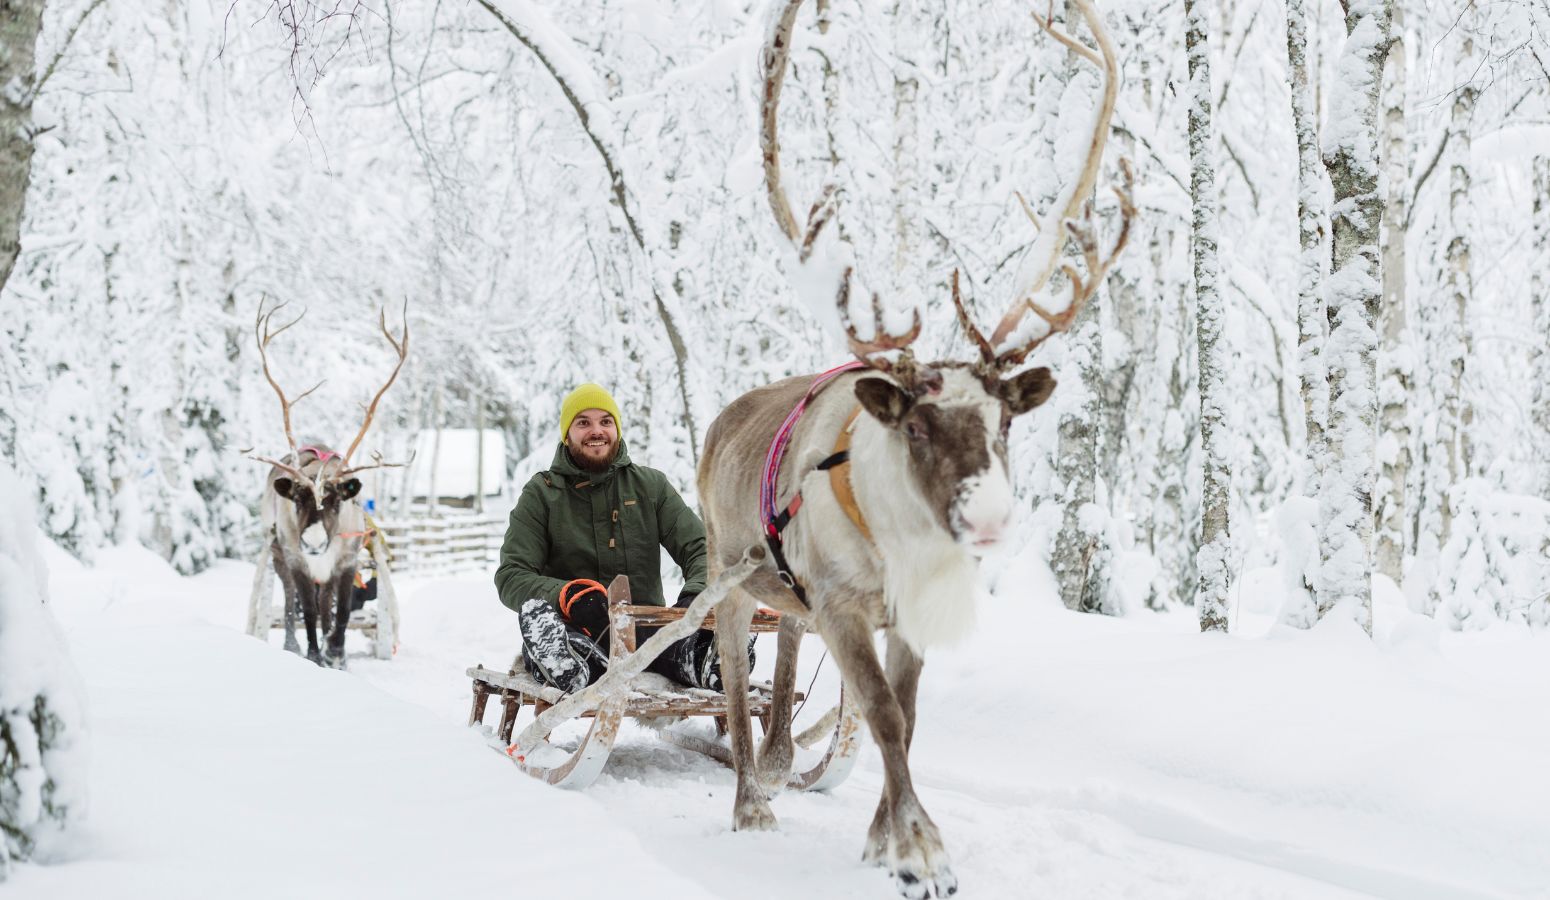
point(550, 640)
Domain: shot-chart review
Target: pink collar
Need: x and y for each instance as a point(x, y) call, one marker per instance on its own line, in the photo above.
point(319, 452)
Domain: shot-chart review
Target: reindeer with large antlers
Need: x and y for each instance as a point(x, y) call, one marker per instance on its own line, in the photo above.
point(313, 521)
point(878, 487)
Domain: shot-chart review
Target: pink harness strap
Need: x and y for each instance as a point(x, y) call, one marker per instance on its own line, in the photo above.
point(319, 452)
point(768, 509)
point(776, 520)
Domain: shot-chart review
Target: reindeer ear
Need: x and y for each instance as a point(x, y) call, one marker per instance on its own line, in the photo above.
point(886, 401)
point(1027, 390)
point(282, 486)
point(349, 488)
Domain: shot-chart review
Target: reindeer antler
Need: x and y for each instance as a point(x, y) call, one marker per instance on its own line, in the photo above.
point(401, 346)
point(376, 463)
point(263, 333)
point(1075, 213)
point(910, 373)
point(776, 55)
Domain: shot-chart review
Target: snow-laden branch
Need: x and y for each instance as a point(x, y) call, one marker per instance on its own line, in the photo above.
point(584, 91)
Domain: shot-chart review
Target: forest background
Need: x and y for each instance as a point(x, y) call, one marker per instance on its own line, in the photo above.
point(183, 161)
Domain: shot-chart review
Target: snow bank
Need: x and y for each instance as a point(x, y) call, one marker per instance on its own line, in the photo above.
point(225, 767)
point(1061, 755)
point(42, 750)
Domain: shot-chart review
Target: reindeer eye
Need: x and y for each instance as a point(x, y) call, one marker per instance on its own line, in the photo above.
point(914, 430)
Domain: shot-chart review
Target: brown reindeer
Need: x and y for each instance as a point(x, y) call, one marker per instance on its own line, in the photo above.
point(888, 538)
point(313, 521)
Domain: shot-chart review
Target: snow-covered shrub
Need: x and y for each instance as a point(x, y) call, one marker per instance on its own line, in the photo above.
point(42, 765)
point(1496, 563)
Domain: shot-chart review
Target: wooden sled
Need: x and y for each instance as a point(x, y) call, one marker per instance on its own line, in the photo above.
point(378, 623)
point(515, 689)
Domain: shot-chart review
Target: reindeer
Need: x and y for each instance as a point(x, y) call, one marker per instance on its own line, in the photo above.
point(889, 534)
point(309, 511)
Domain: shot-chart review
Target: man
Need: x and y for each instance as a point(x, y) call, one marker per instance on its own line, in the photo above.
point(593, 515)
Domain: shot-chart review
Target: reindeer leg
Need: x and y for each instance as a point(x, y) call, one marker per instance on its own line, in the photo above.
point(751, 810)
point(309, 615)
point(914, 851)
point(333, 655)
point(291, 599)
point(776, 753)
point(903, 668)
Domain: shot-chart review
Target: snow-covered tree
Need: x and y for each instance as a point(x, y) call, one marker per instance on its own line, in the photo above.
point(182, 171)
point(42, 744)
point(1454, 326)
point(1301, 608)
point(1395, 356)
point(20, 23)
point(1354, 295)
point(1540, 287)
point(1212, 598)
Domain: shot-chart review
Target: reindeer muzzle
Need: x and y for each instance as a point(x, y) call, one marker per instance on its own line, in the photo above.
point(315, 539)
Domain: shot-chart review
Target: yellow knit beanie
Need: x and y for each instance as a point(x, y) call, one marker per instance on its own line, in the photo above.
point(588, 396)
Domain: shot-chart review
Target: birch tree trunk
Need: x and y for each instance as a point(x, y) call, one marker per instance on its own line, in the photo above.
point(906, 153)
point(1540, 288)
point(1353, 298)
point(1396, 357)
point(1312, 215)
point(1455, 413)
point(1301, 608)
point(1211, 597)
point(20, 21)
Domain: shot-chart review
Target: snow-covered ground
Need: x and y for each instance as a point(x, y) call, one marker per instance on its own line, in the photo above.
point(1062, 756)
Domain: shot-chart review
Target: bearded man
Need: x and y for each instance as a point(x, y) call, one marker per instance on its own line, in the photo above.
point(591, 515)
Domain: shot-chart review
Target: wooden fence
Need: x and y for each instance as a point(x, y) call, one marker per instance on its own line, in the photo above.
point(444, 544)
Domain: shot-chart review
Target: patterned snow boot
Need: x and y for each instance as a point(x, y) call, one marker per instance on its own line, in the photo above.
point(696, 661)
point(553, 653)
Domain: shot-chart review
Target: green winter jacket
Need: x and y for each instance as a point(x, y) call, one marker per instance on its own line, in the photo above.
point(569, 523)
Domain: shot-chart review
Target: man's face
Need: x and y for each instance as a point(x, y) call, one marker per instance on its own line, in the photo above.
point(593, 437)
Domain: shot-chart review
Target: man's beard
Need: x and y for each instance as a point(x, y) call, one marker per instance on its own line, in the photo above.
point(588, 465)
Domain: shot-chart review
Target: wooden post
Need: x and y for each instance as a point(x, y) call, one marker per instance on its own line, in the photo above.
point(430, 494)
point(481, 697)
point(621, 627)
point(406, 499)
point(479, 456)
point(510, 703)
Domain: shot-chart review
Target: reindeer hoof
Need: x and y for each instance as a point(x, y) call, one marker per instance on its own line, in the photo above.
point(292, 647)
point(315, 656)
point(941, 883)
point(333, 660)
point(755, 816)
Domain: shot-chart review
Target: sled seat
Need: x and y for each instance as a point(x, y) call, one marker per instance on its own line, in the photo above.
point(515, 689)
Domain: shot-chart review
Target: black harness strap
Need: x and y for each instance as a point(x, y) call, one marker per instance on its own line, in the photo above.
point(772, 532)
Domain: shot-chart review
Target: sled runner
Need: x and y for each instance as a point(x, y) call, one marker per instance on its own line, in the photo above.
point(608, 704)
point(378, 622)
